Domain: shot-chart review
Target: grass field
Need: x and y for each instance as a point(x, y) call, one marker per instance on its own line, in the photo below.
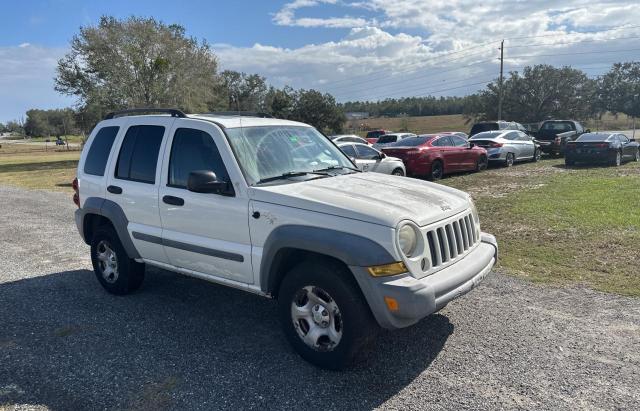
point(554, 225)
point(457, 122)
point(558, 225)
point(30, 167)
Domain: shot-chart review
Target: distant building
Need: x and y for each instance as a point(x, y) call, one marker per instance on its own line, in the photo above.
point(356, 115)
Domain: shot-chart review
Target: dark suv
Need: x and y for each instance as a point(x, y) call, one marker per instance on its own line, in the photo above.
point(496, 125)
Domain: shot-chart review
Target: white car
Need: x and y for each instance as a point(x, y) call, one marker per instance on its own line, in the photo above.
point(370, 159)
point(391, 138)
point(507, 146)
point(348, 138)
point(272, 207)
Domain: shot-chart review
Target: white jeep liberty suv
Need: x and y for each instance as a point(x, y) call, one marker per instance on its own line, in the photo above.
point(273, 207)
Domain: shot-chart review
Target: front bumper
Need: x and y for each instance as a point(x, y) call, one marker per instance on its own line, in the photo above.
point(418, 298)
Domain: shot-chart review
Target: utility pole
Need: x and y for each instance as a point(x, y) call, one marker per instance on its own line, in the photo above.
point(500, 91)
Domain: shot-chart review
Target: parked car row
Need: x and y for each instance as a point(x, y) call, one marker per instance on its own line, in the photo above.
point(489, 142)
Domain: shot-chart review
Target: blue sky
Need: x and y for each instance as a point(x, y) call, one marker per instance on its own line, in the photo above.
point(353, 49)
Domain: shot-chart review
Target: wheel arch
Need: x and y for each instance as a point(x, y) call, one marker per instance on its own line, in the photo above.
point(98, 211)
point(289, 245)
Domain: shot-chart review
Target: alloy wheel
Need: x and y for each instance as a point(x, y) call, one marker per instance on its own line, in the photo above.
point(436, 171)
point(316, 318)
point(618, 158)
point(510, 159)
point(107, 261)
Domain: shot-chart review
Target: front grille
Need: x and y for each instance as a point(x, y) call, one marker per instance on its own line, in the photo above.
point(452, 240)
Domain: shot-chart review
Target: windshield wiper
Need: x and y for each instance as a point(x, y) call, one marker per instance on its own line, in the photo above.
point(338, 168)
point(290, 174)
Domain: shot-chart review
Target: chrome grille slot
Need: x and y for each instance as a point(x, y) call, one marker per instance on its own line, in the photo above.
point(451, 240)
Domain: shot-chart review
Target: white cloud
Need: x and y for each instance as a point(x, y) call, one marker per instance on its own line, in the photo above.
point(376, 59)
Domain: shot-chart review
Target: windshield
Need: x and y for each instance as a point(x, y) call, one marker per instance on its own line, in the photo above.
point(271, 151)
point(410, 142)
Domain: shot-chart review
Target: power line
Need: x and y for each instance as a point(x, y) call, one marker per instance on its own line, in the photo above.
point(572, 42)
point(423, 76)
point(575, 53)
point(386, 71)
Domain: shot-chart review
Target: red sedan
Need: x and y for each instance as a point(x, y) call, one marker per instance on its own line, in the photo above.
point(434, 155)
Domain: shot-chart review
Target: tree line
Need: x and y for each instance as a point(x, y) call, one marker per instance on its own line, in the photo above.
point(141, 62)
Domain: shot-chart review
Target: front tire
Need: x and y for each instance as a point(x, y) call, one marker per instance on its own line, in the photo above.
point(481, 163)
point(115, 271)
point(537, 155)
point(323, 314)
point(636, 156)
point(398, 172)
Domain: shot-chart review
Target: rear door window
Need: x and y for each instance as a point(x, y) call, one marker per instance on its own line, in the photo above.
point(98, 154)
point(443, 142)
point(138, 158)
point(458, 141)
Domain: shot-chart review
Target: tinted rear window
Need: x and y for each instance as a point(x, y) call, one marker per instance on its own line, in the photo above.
point(410, 142)
point(557, 126)
point(480, 127)
point(374, 134)
point(387, 138)
point(593, 137)
point(139, 154)
point(99, 151)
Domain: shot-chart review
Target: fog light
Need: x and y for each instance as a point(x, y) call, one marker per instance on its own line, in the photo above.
point(392, 303)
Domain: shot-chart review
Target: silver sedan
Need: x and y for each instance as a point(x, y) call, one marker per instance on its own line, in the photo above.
point(370, 159)
point(507, 146)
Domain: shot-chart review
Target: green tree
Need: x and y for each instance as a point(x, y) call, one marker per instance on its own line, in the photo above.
point(14, 127)
point(56, 122)
point(619, 89)
point(319, 110)
point(540, 92)
point(138, 62)
point(244, 92)
point(280, 102)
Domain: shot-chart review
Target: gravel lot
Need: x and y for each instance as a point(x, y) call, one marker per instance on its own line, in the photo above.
point(182, 343)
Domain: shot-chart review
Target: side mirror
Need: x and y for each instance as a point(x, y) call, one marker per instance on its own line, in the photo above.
point(588, 130)
point(382, 155)
point(470, 146)
point(205, 181)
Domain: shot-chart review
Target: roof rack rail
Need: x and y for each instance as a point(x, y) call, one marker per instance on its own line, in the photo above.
point(240, 113)
point(173, 111)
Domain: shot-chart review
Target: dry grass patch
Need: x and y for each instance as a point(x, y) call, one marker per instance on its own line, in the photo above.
point(53, 170)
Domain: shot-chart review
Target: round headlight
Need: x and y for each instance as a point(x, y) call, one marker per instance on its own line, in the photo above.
point(407, 239)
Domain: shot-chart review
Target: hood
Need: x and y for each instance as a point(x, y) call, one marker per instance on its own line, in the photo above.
point(371, 197)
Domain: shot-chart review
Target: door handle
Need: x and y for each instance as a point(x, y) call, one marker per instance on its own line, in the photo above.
point(176, 201)
point(114, 189)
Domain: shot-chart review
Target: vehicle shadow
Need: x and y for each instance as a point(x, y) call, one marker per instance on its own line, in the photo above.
point(181, 343)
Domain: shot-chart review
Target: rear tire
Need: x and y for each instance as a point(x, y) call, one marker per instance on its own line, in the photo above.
point(323, 313)
point(617, 160)
point(437, 170)
point(115, 271)
point(398, 172)
point(511, 158)
point(568, 163)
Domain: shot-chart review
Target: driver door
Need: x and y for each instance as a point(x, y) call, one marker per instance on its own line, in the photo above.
point(203, 232)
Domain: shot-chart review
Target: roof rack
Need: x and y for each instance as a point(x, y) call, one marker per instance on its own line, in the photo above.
point(173, 111)
point(239, 113)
